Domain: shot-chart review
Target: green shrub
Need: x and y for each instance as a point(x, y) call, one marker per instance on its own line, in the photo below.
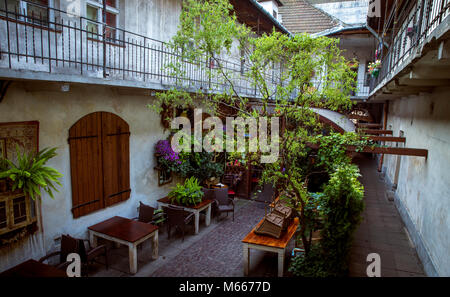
point(341, 208)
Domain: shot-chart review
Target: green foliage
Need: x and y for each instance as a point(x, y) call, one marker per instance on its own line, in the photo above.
point(158, 216)
point(342, 205)
point(31, 174)
point(4, 165)
point(333, 148)
point(189, 193)
point(199, 165)
point(308, 72)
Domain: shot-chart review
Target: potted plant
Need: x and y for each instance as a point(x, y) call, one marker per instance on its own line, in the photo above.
point(374, 68)
point(30, 174)
point(189, 193)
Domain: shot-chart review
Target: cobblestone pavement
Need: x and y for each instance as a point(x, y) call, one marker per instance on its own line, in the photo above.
point(382, 231)
point(217, 249)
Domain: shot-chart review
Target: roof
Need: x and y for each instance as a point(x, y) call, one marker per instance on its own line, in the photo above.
point(250, 12)
point(299, 16)
point(274, 20)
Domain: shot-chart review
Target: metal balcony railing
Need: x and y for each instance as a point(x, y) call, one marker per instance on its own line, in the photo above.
point(362, 89)
point(422, 20)
point(50, 40)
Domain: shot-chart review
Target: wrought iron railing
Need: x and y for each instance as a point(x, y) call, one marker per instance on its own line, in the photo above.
point(54, 41)
point(362, 88)
point(422, 20)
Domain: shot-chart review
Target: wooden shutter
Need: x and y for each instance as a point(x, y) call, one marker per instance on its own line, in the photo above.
point(99, 160)
point(116, 160)
point(85, 141)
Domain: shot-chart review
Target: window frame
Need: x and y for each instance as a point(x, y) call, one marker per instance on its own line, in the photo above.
point(98, 4)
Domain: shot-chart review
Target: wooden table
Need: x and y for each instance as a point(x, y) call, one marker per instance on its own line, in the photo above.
point(205, 204)
point(268, 243)
point(127, 232)
point(33, 268)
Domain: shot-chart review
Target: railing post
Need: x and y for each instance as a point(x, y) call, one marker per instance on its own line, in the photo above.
point(7, 32)
point(104, 39)
point(144, 56)
point(81, 44)
point(123, 59)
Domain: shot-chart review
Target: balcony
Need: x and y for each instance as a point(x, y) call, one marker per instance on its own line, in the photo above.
point(419, 27)
point(52, 45)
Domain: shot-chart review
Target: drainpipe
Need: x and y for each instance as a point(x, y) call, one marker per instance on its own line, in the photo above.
point(376, 35)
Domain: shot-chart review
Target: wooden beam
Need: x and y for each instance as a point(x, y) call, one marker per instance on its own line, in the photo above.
point(387, 138)
point(376, 132)
point(368, 125)
point(359, 117)
point(403, 151)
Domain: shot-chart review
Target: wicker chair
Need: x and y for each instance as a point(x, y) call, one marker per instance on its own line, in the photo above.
point(178, 217)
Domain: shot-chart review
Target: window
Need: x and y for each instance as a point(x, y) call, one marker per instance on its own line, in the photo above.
point(94, 14)
point(274, 13)
point(32, 11)
point(99, 162)
point(16, 211)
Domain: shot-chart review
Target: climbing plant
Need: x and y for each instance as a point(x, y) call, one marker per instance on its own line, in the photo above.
point(290, 75)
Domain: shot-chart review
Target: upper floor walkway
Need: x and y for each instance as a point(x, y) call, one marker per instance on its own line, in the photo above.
point(415, 28)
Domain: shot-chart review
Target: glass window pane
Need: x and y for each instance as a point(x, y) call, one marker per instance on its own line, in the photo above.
point(111, 19)
point(13, 6)
point(111, 3)
point(91, 13)
point(19, 209)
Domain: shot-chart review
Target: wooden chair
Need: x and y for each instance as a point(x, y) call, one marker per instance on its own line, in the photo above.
point(222, 202)
point(229, 180)
point(178, 217)
point(74, 245)
point(146, 214)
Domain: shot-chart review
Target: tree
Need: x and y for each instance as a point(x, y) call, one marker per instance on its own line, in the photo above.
point(290, 74)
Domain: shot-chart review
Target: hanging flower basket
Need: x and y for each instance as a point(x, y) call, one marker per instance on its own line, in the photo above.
point(375, 72)
point(374, 68)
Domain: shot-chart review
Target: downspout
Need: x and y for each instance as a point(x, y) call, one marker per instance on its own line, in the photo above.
point(376, 35)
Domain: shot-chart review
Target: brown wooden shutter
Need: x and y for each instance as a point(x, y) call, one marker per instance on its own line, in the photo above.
point(116, 161)
point(99, 160)
point(85, 141)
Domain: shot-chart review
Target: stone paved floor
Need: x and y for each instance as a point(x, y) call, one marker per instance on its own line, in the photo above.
point(217, 249)
point(382, 231)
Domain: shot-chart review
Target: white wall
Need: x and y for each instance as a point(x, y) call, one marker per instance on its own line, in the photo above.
point(56, 112)
point(424, 185)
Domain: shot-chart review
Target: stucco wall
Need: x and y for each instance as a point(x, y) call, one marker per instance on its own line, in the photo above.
point(423, 186)
point(56, 112)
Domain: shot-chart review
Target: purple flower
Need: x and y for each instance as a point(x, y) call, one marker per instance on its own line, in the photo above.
point(164, 148)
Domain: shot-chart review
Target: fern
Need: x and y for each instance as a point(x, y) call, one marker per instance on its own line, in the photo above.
point(30, 174)
point(188, 194)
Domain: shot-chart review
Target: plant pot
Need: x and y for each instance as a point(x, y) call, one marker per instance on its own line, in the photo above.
point(375, 73)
